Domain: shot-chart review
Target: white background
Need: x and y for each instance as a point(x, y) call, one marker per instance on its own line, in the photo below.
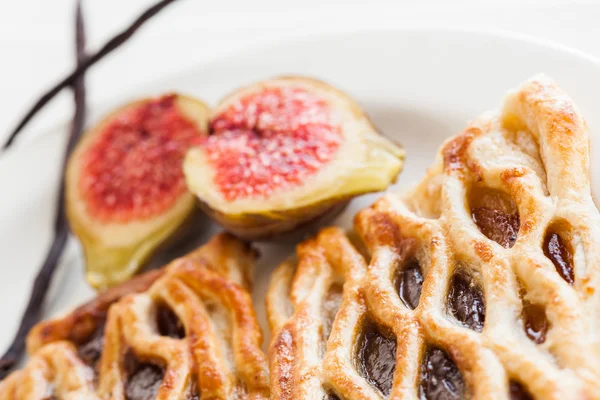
point(36, 49)
point(36, 36)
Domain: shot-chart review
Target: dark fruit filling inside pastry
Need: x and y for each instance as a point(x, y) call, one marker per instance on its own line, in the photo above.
point(535, 322)
point(518, 392)
point(377, 358)
point(330, 307)
point(465, 302)
point(440, 378)
point(168, 323)
point(497, 226)
point(143, 379)
point(496, 215)
point(559, 252)
point(331, 396)
point(194, 394)
point(91, 350)
point(409, 282)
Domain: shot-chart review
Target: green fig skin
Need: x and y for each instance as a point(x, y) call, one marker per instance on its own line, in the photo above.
point(257, 227)
point(115, 250)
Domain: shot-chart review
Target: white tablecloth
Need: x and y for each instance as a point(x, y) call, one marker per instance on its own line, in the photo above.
point(36, 36)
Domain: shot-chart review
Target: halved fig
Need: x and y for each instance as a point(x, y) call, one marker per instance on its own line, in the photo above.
point(284, 152)
point(125, 189)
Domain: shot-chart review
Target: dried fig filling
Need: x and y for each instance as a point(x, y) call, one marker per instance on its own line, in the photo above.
point(561, 255)
point(440, 378)
point(270, 140)
point(329, 308)
point(496, 215)
point(194, 393)
point(240, 390)
point(133, 168)
point(90, 351)
point(167, 322)
point(518, 392)
point(143, 379)
point(465, 301)
point(535, 322)
point(409, 282)
point(376, 356)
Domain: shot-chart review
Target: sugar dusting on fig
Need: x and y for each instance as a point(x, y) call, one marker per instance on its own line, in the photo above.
point(133, 169)
point(271, 139)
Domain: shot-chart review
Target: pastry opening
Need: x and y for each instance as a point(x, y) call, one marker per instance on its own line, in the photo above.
point(330, 395)
point(557, 248)
point(168, 323)
point(533, 316)
point(329, 309)
point(359, 245)
point(524, 141)
point(409, 282)
point(440, 377)
point(466, 301)
point(240, 390)
point(495, 214)
point(376, 357)
point(518, 391)
point(194, 393)
point(222, 326)
point(427, 204)
point(143, 378)
point(90, 350)
point(535, 322)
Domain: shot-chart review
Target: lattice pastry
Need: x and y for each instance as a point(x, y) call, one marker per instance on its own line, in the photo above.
point(481, 282)
point(187, 331)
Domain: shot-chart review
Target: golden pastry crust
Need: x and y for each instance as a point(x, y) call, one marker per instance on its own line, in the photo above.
point(301, 303)
point(526, 169)
point(218, 357)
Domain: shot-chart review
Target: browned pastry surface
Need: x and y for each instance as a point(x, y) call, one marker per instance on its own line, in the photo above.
point(479, 283)
point(187, 331)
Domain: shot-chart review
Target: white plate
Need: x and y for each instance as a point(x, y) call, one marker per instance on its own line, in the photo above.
point(420, 86)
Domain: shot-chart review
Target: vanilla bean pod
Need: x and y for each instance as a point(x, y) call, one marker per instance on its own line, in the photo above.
point(69, 80)
point(61, 229)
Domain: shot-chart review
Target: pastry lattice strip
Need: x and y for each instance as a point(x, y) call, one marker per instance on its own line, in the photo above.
point(505, 235)
point(189, 332)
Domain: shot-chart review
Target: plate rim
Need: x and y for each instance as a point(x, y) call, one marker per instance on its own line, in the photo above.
point(53, 132)
point(298, 38)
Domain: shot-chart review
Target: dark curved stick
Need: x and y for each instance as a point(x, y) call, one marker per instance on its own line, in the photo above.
point(111, 45)
point(61, 229)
